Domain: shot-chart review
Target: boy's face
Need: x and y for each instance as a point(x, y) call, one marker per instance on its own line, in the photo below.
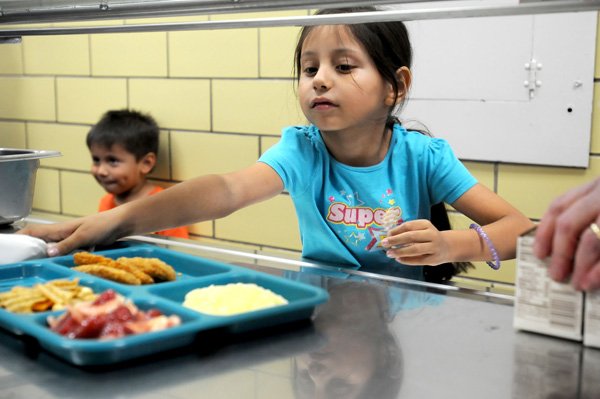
point(117, 170)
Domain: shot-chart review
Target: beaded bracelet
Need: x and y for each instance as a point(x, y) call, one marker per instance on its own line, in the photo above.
point(496, 264)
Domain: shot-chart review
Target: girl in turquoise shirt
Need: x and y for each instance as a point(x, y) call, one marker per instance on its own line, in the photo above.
point(343, 172)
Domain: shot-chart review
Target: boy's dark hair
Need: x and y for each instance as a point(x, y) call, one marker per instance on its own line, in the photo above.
point(138, 133)
point(388, 45)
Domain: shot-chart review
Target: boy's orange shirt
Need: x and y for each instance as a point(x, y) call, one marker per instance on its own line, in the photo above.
point(108, 202)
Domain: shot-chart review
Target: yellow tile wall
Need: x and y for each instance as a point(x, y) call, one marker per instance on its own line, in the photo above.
point(80, 194)
point(129, 54)
point(84, 100)
point(277, 47)
point(27, 98)
point(162, 170)
point(273, 220)
point(214, 53)
point(196, 154)
point(11, 58)
point(12, 135)
point(267, 142)
point(175, 103)
point(531, 189)
point(221, 98)
point(46, 55)
point(46, 195)
point(68, 139)
point(254, 106)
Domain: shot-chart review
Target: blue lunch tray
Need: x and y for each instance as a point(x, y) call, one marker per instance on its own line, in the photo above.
point(192, 272)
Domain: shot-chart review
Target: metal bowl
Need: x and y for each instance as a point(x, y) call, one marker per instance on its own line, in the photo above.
point(17, 174)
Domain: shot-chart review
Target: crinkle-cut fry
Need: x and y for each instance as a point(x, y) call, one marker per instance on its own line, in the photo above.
point(22, 307)
point(21, 301)
point(109, 273)
point(85, 293)
point(66, 284)
point(144, 278)
point(151, 266)
point(55, 294)
point(16, 294)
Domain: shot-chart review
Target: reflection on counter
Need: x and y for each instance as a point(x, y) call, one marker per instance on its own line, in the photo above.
point(545, 367)
point(361, 356)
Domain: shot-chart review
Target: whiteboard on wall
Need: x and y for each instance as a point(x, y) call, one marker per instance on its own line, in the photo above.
point(515, 89)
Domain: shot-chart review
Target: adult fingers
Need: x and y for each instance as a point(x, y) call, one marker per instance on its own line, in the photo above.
point(546, 229)
point(568, 230)
point(591, 281)
point(587, 258)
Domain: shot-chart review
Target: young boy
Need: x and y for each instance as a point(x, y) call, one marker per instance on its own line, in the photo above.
point(124, 146)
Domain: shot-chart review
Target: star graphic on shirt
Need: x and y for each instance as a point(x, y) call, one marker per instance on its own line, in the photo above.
point(378, 235)
point(392, 202)
point(357, 201)
point(355, 237)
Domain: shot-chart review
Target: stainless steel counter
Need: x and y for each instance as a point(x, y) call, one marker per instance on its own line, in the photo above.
point(377, 337)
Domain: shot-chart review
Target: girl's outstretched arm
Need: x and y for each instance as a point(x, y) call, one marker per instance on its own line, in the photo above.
point(203, 198)
point(418, 242)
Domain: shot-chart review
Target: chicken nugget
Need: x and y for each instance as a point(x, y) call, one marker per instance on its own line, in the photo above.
point(154, 267)
point(144, 278)
point(86, 258)
point(109, 273)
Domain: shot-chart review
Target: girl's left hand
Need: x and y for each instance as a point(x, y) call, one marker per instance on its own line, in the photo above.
point(417, 242)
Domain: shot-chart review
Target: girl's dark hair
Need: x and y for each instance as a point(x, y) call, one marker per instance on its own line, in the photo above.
point(388, 45)
point(138, 133)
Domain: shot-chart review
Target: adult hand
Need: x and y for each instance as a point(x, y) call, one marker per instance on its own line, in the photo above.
point(564, 234)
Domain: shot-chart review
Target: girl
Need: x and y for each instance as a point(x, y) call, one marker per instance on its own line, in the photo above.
point(343, 171)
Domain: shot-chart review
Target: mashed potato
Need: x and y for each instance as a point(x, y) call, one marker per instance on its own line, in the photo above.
point(230, 299)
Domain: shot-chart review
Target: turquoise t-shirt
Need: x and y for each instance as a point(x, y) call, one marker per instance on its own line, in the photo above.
point(340, 207)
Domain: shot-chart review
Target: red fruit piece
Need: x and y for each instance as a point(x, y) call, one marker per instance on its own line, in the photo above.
point(113, 330)
point(90, 327)
point(104, 297)
point(65, 324)
point(120, 314)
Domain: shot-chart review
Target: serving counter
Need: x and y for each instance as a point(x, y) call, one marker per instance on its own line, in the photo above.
point(378, 336)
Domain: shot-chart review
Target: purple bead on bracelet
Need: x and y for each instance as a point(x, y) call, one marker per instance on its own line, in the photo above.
point(496, 264)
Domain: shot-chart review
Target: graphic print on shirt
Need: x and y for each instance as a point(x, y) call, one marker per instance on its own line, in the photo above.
point(363, 226)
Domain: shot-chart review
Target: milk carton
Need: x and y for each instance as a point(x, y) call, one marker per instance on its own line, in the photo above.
point(591, 322)
point(543, 305)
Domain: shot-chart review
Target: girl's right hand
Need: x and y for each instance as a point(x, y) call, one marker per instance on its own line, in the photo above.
point(417, 242)
point(68, 236)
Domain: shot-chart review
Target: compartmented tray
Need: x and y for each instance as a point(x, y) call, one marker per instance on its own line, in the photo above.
point(192, 272)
